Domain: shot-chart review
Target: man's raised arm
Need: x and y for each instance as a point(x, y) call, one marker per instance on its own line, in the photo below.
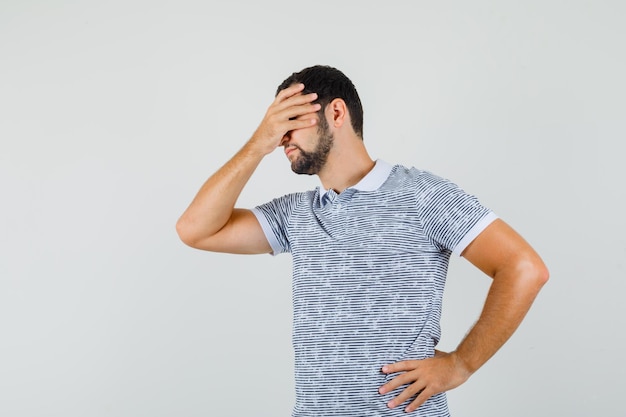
point(211, 221)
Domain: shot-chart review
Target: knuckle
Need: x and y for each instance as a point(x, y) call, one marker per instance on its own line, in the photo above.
point(428, 392)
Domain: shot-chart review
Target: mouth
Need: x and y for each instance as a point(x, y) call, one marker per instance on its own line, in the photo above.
point(290, 149)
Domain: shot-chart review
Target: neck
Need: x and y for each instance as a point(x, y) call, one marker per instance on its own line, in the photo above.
point(348, 162)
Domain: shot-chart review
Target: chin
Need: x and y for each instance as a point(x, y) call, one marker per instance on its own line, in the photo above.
point(301, 171)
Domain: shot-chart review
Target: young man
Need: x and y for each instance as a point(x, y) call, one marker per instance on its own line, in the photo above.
point(370, 250)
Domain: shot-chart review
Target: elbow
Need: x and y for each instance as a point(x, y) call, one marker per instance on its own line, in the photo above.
point(527, 273)
point(536, 272)
point(539, 277)
point(195, 232)
point(185, 232)
point(543, 274)
point(540, 270)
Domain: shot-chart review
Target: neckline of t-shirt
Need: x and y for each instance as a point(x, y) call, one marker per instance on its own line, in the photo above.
point(372, 181)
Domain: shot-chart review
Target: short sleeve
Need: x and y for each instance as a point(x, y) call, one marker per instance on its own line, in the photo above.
point(451, 218)
point(274, 219)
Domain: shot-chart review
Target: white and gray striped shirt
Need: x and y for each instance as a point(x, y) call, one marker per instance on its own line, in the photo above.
point(369, 267)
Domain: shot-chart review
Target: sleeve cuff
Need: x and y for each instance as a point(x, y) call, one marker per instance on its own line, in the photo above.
point(267, 230)
point(474, 231)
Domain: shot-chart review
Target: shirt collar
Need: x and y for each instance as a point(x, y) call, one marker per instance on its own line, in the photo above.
point(370, 182)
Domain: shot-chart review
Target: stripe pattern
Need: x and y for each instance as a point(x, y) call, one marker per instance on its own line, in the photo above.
point(369, 269)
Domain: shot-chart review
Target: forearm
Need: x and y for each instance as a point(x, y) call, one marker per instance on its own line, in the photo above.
point(213, 205)
point(510, 297)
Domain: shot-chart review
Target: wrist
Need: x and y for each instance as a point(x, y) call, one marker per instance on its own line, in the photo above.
point(462, 364)
point(255, 149)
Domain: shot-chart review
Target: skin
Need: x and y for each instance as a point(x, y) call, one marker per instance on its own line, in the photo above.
point(211, 222)
point(310, 163)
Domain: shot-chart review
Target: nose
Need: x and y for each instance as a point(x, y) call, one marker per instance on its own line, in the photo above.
point(286, 138)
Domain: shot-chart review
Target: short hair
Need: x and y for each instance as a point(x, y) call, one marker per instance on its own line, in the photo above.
point(329, 83)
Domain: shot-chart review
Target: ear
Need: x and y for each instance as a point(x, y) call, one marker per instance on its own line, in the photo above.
point(337, 113)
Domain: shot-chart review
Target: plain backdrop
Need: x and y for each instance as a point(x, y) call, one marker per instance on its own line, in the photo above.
point(112, 114)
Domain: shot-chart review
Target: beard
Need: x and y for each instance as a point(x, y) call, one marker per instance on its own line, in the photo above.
point(311, 163)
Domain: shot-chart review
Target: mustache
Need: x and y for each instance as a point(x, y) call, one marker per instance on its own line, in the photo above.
point(291, 145)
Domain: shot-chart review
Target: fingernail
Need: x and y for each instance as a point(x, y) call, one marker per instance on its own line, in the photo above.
point(385, 368)
point(391, 404)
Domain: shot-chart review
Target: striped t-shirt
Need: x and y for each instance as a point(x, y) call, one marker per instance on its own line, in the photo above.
point(369, 267)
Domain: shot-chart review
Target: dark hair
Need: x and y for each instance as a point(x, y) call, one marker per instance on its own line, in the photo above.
point(329, 83)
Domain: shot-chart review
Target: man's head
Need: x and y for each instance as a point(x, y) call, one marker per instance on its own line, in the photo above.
point(329, 83)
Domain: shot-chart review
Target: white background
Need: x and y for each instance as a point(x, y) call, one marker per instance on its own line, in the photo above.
point(112, 114)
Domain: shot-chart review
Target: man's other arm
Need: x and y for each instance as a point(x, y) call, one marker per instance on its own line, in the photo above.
point(211, 222)
point(518, 274)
